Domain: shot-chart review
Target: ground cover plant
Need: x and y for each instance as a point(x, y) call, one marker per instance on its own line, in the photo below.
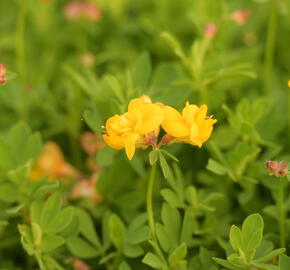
point(144, 134)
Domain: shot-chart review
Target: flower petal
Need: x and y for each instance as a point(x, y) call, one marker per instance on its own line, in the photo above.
point(130, 144)
point(174, 124)
point(152, 116)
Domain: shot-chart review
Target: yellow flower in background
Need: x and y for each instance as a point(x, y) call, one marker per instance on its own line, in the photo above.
point(192, 126)
point(52, 163)
point(129, 129)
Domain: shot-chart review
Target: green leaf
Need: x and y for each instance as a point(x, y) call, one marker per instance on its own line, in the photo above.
point(132, 251)
point(72, 229)
point(124, 266)
point(51, 242)
point(171, 198)
point(9, 192)
point(236, 238)
point(153, 157)
point(216, 167)
point(164, 165)
point(284, 262)
point(163, 237)
point(45, 188)
point(264, 266)
point(226, 264)
point(271, 255)
point(178, 254)
point(169, 155)
point(60, 221)
point(87, 227)
point(252, 231)
point(152, 260)
point(172, 222)
point(51, 208)
point(80, 248)
point(117, 231)
point(36, 210)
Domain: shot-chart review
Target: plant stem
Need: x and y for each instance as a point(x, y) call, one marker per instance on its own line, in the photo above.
point(281, 211)
point(40, 262)
point(149, 201)
point(270, 46)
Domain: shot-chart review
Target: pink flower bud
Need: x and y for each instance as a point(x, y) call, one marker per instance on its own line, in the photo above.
point(241, 16)
point(91, 11)
point(73, 10)
point(276, 168)
point(3, 78)
point(210, 30)
point(87, 60)
point(91, 142)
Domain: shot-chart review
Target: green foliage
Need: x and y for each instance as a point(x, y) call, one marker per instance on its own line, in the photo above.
point(245, 243)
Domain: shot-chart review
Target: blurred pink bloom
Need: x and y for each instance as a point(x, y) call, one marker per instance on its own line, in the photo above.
point(210, 30)
point(276, 168)
point(87, 189)
point(91, 142)
point(3, 78)
point(241, 16)
point(75, 9)
point(91, 11)
point(80, 265)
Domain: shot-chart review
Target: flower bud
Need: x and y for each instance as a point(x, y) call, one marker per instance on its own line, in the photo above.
point(241, 16)
point(210, 30)
point(276, 168)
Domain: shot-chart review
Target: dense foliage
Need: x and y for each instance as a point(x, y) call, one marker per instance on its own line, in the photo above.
point(69, 201)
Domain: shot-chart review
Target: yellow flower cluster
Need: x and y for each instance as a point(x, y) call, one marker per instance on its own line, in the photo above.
point(139, 127)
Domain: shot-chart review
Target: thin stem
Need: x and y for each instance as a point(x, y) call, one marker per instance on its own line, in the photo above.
point(281, 211)
point(40, 262)
point(149, 201)
point(270, 46)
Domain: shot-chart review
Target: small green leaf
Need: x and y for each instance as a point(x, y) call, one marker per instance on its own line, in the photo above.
point(236, 238)
point(164, 165)
point(252, 231)
point(51, 242)
point(51, 208)
point(87, 227)
point(153, 157)
point(60, 221)
point(152, 260)
point(132, 251)
point(284, 262)
point(124, 266)
point(178, 254)
point(271, 255)
point(216, 167)
point(80, 248)
point(117, 231)
point(36, 211)
point(169, 155)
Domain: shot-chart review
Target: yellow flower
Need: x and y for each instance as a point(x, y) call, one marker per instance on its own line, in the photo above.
point(192, 126)
point(128, 130)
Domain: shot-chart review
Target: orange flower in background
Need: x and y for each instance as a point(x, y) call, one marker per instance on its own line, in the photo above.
point(80, 265)
point(241, 16)
point(3, 78)
point(76, 9)
point(129, 130)
point(53, 164)
point(192, 126)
